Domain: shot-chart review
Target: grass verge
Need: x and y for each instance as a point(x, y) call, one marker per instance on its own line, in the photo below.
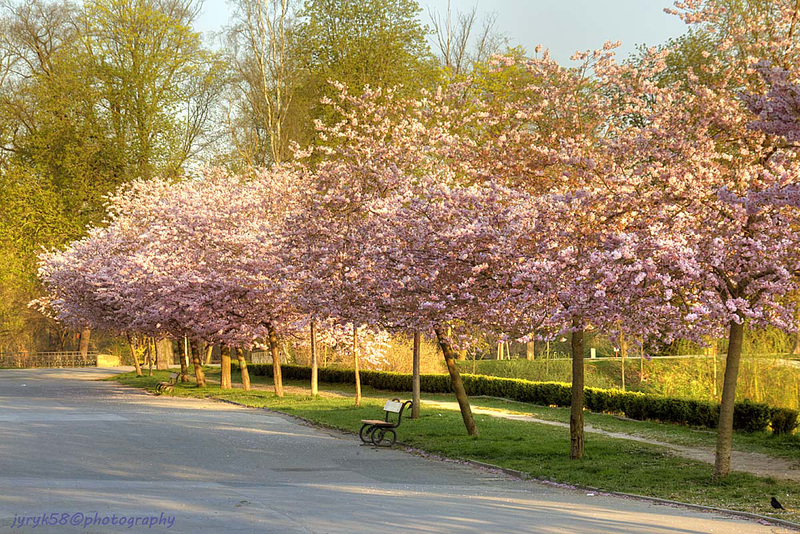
point(536, 449)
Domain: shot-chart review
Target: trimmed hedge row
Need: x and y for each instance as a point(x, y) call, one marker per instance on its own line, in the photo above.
point(748, 416)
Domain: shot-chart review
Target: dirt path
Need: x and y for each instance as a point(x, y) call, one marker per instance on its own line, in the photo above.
point(750, 462)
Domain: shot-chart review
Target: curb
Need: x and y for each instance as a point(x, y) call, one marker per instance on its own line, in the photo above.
point(526, 477)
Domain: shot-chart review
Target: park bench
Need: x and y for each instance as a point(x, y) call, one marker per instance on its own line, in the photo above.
point(381, 433)
point(163, 387)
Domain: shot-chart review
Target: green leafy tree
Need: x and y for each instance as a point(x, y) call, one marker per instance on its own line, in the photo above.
point(156, 78)
point(376, 43)
point(89, 98)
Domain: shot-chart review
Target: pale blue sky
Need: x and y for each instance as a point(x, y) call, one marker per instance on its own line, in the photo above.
point(563, 26)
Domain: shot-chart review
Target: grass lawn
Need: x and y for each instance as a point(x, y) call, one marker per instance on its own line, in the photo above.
point(537, 449)
point(787, 446)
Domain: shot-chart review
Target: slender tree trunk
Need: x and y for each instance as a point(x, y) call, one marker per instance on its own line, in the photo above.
point(457, 383)
point(199, 375)
point(185, 360)
point(356, 366)
point(150, 356)
point(83, 347)
point(576, 408)
point(132, 345)
point(641, 363)
point(756, 394)
point(623, 352)
point(243, 368)
point(225, 368)
point(415, 381)
point(722, 464)
point(277, 377)
point(796, 348)
point(209, 352)
point(314, 364)
point(157, 359)
point(714, 362)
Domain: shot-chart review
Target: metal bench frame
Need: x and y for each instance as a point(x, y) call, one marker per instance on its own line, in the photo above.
point(381, 433)
point(163, 387)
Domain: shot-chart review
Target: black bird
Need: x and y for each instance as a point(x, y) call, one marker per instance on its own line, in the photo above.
point(775, 504)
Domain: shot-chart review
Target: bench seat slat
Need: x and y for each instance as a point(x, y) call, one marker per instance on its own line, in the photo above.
point(376, 422)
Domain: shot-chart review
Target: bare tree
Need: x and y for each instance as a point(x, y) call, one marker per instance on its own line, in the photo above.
point(461, 45)
point(268, 77)
point(31, 34)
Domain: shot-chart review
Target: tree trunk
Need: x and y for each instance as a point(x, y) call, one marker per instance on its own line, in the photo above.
point(199, 376)
point(356, 367)
point(163, 354)
point(576, 407)
point(796, 348)
point(415, 381)
point(149, 355)
point(714, 357)
point(722, 464)
point(641, 363)
point(756, 395)
point(461, 355)
point(243, 369)
point(623, 352)
point(83, 346)
point(455, 380)
point(209, 352)
point(314, 364)
point(132, 345)
point(225, 368)
point(277, 377)
point(185, 361)
point(530, 350)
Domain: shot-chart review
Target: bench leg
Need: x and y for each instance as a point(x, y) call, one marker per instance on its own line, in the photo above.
point(384, 437)
point(366, 433)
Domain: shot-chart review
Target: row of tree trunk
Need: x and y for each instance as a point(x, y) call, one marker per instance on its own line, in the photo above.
point(161, 352)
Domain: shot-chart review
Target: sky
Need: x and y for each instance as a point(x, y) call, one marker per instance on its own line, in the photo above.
point(563, 26)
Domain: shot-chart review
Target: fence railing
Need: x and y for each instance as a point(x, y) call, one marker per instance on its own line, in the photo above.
point(262, 356)
point(23, 360)
point(635, 356)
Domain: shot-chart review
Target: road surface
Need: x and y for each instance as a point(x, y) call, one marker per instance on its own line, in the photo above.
point(86, 456)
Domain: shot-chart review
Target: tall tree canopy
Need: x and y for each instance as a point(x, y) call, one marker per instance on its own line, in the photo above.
point(90, 98)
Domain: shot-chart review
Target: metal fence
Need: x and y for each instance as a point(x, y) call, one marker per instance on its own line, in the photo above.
point(262, 356)
point(23, 360)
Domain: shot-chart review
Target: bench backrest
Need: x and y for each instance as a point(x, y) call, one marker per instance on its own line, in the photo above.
point(173, 376)
point(393, 406)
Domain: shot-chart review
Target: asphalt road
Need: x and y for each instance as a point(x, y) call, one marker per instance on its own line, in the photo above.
point(76, 453)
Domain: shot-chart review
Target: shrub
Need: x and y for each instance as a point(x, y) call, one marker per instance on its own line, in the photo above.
point(748, 416)
point(783, 420)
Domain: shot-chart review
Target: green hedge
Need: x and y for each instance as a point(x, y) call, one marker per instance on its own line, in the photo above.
point(748, 416)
